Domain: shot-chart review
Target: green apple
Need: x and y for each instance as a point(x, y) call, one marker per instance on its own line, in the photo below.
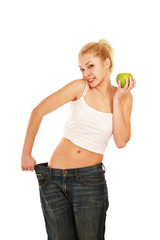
point(123, 77)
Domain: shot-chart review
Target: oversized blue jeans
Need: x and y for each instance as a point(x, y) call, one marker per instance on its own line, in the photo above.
point(74, 201)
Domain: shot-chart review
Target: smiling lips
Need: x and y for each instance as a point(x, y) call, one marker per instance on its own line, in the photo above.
point(91, 80)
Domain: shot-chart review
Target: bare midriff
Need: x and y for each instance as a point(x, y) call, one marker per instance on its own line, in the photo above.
point(67, 155)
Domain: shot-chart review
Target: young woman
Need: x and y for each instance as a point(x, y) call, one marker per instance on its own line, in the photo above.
point(73, 187)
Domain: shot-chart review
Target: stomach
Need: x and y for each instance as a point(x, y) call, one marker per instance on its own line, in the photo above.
point(67, 155)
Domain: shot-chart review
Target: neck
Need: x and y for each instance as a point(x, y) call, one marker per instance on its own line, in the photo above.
point(105, 87)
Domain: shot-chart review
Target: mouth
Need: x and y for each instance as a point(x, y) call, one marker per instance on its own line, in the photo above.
point(91, 80)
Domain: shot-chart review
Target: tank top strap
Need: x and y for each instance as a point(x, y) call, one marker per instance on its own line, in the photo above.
point(85, 90)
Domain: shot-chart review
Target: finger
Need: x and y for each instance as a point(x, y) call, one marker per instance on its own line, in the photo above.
point(119, 83)
point(126, 84)
point(27, 168)
point(32, 168)
point(130, 82)
point(23, 168)
point(134, 82)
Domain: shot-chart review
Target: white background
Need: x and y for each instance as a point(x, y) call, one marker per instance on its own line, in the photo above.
point(39, 44)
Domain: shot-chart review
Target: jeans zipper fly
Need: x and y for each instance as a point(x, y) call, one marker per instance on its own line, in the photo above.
point(64, 175)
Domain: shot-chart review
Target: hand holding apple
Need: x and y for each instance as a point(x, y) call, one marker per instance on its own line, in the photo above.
point(129, 84)
point(123, 77)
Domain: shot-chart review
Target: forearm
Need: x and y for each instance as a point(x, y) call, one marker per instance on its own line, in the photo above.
point(32, 129)
point(121, 131)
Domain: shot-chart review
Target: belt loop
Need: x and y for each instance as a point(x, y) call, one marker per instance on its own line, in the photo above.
point(77, 175)
point(50, 173)
point(103, 167)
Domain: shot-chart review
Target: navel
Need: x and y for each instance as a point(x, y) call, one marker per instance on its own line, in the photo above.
point(78, 151)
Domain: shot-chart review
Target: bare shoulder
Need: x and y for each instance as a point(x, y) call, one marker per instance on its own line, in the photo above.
point(76, 87)
point(71, 90)
point(80, 84)
point(67, 93)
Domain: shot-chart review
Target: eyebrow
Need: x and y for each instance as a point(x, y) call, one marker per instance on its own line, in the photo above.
point(86, 63)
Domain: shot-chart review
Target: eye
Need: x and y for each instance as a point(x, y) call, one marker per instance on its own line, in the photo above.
point(91, 65)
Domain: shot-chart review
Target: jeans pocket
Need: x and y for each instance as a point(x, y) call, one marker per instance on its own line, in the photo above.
point(43, 179)
point(93, 179)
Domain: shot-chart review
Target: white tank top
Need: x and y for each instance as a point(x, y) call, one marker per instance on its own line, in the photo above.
point(87, 127)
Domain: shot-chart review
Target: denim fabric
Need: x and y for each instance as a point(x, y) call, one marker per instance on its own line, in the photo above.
point(74, 201)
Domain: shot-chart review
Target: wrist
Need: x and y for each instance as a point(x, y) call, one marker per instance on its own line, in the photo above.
point(117, 100)
point(26, 152)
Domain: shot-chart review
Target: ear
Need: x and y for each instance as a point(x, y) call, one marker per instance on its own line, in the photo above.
point(107, 63)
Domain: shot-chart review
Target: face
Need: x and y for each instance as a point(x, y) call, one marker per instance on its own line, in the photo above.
point(93, 69)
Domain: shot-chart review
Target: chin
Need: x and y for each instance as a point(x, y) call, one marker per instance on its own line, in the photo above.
point(92, 84)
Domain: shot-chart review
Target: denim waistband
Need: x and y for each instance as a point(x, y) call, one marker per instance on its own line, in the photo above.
point(43, 168)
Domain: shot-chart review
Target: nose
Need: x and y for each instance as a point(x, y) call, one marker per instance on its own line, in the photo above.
point(86, 74)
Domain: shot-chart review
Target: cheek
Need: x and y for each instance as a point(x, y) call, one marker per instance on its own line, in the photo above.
point(94, 71)
point(103, 71)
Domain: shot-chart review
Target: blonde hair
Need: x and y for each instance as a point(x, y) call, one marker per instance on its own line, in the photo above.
point(101, 49)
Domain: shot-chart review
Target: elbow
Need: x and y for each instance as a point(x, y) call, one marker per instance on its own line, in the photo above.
point(37, 113)
point(122, 144)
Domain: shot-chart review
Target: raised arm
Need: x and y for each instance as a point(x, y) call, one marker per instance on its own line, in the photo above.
point(66, 94)
point(122, 108)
